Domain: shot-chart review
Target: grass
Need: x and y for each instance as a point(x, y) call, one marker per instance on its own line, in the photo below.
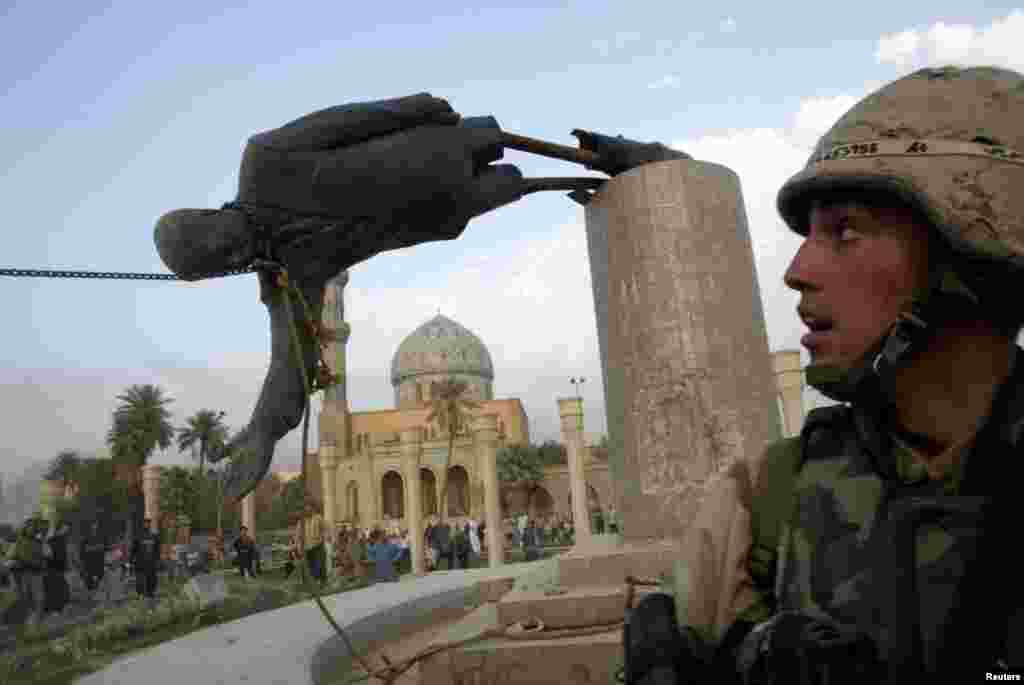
point(116, 632)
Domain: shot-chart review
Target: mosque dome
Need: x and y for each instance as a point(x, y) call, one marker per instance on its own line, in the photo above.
point(441, 347)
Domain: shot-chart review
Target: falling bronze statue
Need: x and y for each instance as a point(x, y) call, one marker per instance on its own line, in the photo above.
point(338, 186)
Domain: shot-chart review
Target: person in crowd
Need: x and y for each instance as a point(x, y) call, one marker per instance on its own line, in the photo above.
point(245, 552)
point(92, 550)
point(55, 584)
point(383, 554)
point(28, 564)
point(145, 558)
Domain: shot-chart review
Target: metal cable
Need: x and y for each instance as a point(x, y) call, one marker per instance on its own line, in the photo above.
point(115, 275)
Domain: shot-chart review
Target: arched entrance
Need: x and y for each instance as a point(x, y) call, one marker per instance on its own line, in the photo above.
point(392, 496)
point(428, 492)
point(542, 504)
point(458, 491)
point(593, 501)
point(352, 501)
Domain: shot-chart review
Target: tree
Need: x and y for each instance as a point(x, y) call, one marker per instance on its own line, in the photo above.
point(64, 466)
point(100, 498)
point(179, 491)
point(552, 453)
point(211, 512)
point(287, 506)
point(522, 464)
point(453, 413)
point(141, 424)
point(205, 430)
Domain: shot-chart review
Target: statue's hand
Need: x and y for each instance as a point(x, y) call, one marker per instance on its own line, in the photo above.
point(618, 154)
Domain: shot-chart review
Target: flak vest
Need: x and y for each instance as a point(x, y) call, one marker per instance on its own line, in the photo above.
point(929, 575)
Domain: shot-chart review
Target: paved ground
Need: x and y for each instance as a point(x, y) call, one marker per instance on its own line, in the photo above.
point(274, 647)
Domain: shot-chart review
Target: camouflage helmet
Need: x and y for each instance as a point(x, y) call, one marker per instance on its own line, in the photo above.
point(949, 143)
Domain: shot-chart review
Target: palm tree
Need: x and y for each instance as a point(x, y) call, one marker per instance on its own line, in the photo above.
point(205, 430)
point(219, 476)
point(65, 468)
point(522, 464)
point(141, 424)
point(453, 414)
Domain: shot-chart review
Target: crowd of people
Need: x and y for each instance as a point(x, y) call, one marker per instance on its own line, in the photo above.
point(42, 557)
point(39, 560)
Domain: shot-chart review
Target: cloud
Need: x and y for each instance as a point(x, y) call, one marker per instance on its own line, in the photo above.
point(898, 48)
point(940, 44)
point(817, 114)
point(670, 81)
point(728, 25)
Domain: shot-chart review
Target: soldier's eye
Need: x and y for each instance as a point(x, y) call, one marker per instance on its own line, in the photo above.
point(845, 231)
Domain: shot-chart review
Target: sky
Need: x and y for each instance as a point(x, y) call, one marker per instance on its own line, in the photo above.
point(115, 113)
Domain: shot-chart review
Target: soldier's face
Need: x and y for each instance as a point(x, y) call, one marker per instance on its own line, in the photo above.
point(855, 271)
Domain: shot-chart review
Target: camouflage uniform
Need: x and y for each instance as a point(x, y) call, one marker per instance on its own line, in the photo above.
point(878, 544)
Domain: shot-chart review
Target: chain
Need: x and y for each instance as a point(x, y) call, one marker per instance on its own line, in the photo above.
point(116, 275)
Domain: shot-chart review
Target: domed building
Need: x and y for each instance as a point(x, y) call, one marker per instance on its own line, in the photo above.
point(370, 476)
point(441, 349)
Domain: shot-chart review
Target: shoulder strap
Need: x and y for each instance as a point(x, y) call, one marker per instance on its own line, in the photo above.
point(771, 507)
point(773, 501)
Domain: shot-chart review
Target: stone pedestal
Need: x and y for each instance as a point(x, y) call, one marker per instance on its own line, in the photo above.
point(151, 491)
point(486, 430)
point(570, 411)
point(789, 381)
point(412, 445)
point(687, 368)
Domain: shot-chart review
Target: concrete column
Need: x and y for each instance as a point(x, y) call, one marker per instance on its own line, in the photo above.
point(249, 513)
point(412, 445)
point(329, 480)
point(486, 430)
point(571, 413)
point(789, 380)
point(151, 492)
point(688, 373)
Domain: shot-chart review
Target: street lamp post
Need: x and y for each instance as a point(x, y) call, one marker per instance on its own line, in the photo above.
point(577, 383)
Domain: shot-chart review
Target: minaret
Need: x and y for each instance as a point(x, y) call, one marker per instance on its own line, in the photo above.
point(334, 415)
point(335, 398)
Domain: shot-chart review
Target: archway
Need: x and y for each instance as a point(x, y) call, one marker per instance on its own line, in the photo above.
point(458, 491)
point(428, 491)
point(352, 501)
point(392, 496)
point(542, 504)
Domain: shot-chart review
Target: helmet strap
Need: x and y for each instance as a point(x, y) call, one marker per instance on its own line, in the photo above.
point(917, 324)
point(870, 380)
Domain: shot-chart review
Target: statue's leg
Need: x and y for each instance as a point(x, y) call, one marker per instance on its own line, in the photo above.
point(282, 399)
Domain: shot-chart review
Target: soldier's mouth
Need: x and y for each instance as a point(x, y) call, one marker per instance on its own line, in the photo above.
point(820, 328)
